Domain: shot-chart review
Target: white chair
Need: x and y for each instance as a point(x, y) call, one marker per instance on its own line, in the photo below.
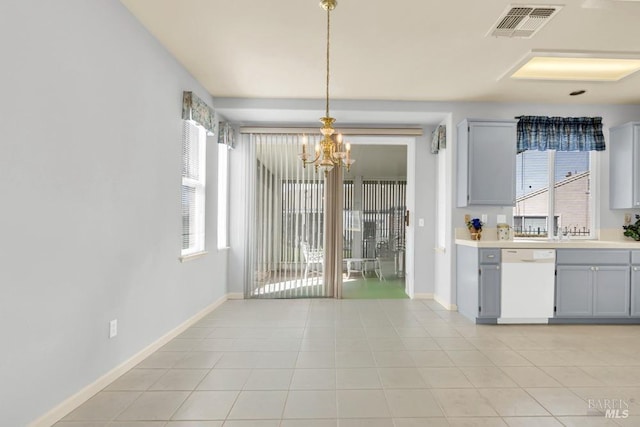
point(313, 259)
point(385, 263)
point(385, 267)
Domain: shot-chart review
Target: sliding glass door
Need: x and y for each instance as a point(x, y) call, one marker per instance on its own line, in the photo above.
point(287, 250)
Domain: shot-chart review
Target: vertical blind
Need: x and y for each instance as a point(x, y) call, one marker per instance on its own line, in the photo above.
point(383, 206)
point(287, 230)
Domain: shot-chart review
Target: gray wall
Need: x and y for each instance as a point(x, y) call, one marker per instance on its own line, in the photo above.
point(435, 271)
point(425, 208)
point(90, 163)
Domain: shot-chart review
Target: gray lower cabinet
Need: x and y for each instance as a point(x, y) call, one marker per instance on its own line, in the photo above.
point(489, 298)
point(593, 283)
point(635, 291)
point(478, 283)
point(574, 291)
point(611, 291)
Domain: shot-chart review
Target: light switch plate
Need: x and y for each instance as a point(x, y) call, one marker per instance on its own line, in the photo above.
point(113, 328)
point(420, 222)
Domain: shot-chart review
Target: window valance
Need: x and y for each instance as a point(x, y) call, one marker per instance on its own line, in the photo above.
point(226, 134)
point(560, 133)
point(195, 109)
point(438, 139)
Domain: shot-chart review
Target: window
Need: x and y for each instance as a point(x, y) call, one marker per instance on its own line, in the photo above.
point(557, 182)
point(223, 196)
point(193, 187)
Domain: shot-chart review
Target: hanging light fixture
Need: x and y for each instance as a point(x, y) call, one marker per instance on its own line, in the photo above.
point(331, 151)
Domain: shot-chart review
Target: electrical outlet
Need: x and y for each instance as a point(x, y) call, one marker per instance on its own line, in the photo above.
point(421, 222)
point(113, 328)
point(484, 218)
point(627, 219)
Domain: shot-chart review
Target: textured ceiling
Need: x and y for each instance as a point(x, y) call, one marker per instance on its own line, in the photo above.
point(401, 50)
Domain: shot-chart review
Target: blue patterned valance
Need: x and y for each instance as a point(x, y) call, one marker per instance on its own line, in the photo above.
point(226, 134)
point(194, 108)
point(438, 139)
point(560, 133)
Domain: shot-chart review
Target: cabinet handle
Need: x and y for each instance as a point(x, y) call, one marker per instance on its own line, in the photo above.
point(491, 256)
point(593, 269)
point(635, 268)
point(497, 267)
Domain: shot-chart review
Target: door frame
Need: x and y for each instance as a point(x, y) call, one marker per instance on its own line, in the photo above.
point(410, 143)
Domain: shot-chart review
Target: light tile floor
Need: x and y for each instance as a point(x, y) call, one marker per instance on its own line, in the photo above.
point(373, 363)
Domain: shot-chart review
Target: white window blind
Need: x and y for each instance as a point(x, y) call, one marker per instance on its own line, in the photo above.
point(223, 196)
point(193, 187)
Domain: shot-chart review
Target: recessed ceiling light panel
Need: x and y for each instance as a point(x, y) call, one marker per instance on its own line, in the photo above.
point(604, 67)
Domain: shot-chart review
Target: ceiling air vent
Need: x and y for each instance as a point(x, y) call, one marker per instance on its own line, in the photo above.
point(523, 20)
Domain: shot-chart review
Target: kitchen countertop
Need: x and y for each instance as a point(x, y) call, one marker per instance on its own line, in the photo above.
point(551, 244)
point(608, 239)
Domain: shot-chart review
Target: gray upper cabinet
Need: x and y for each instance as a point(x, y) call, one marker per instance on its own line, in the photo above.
point(624, 166)
point(486, 162)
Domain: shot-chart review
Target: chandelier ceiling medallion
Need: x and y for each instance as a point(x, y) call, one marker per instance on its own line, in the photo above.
point(330, 151)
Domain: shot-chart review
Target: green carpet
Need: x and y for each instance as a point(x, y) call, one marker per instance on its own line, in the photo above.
point(372, 288)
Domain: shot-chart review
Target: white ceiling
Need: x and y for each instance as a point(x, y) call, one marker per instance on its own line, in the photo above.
point(401, 50)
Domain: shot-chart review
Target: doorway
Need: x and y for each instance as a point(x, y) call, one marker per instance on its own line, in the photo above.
point(285, 227)
point(375, 233)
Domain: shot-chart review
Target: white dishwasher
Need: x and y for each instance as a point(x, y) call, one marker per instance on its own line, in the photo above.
point(527, 285)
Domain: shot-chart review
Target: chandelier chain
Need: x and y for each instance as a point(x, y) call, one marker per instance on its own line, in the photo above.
point(330, 151)
point(328, 48)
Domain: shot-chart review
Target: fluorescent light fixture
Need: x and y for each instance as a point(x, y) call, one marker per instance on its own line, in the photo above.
point(579, 66)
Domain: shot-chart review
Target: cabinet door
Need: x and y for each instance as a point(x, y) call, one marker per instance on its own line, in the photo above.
point(489, 298)
point(635, 291)
point(492, 163)
point(611, 291)
point(624, 166)
point(636, 166)
point(574, 291)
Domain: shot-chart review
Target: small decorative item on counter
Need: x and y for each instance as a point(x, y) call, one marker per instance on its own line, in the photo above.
point(633, 230)
point(504, 231)
point(475, 227)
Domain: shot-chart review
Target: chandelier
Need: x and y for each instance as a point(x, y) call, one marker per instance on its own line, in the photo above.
point(330, 151)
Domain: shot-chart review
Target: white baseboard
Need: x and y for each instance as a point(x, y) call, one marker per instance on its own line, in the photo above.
point(74, 401)
point(422, 296)
point(235, 295)
point(450, 307)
